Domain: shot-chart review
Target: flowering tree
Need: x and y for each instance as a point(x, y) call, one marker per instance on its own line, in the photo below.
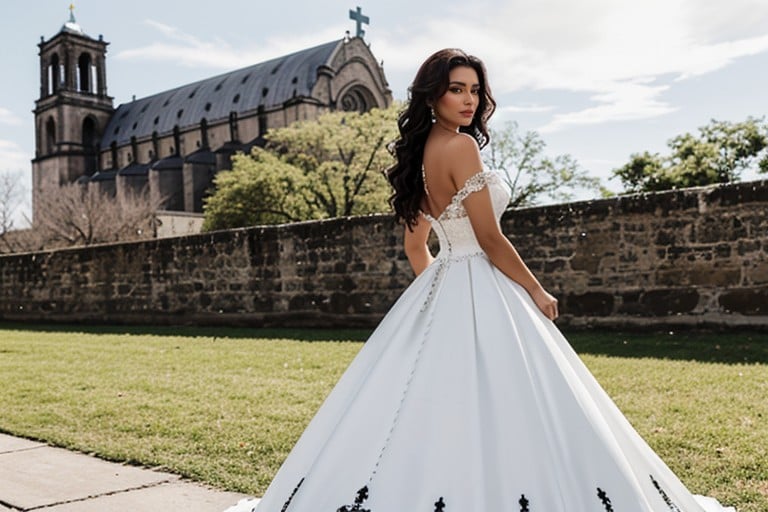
point(330, 167)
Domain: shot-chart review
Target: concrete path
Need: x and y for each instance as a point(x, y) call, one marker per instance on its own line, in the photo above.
point(35, 476)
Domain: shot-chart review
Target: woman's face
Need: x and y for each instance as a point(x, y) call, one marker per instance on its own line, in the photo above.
point(458, 105)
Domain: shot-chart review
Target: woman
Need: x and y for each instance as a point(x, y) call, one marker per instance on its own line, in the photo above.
point(466, 397)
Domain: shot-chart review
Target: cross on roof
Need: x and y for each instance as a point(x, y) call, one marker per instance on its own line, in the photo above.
point(359, 20)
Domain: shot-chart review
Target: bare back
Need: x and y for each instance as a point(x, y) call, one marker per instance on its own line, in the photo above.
point(448, 156)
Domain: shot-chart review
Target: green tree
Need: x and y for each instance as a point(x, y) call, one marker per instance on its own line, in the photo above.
point(343, 155)
point(260, 189)
point(329, 167)
point(720, 153)
point(531, 174)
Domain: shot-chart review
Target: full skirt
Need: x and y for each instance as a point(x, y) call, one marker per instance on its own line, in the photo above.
point(466, 398)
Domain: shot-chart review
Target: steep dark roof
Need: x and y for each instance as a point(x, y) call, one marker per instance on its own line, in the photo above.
point(268, 83)
point(134, 169)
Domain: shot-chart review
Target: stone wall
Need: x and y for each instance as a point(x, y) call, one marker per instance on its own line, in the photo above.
point(690, 257)
point(695, 257)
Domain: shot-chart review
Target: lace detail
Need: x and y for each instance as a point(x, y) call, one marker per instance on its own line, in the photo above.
point(474, 184)
point(454, 230)
point(457, 239)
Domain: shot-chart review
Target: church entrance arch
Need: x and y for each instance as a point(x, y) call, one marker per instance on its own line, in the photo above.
point(50, 136)
point(357, 99)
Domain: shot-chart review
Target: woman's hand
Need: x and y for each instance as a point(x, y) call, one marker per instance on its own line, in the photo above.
point(546, 302)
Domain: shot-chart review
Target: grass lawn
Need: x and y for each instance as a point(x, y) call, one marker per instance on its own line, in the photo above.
point(224, 406)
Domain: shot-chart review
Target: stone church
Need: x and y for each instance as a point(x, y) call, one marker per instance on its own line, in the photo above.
point(174, 142)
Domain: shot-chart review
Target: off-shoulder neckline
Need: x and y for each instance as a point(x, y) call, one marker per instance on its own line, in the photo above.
point(457, 198)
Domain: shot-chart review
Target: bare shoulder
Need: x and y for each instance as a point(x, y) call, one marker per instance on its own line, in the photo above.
point(464, 154)
point(462, 142)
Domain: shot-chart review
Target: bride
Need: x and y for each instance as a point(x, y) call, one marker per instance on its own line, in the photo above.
point(466, 397)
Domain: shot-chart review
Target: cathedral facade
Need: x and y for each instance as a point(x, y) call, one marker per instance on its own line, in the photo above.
point(172, 144)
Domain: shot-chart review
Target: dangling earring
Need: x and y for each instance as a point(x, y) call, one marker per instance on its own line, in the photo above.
point(432, 115)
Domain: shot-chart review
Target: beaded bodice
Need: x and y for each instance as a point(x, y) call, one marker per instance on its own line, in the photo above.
point(452, 226)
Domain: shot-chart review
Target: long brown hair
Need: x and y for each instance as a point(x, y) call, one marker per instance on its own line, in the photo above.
point(414, 124)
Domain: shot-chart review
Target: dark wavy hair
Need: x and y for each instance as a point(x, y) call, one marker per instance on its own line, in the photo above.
point(414, 124)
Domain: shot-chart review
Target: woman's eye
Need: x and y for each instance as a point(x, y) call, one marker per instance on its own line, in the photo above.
point(456, 90)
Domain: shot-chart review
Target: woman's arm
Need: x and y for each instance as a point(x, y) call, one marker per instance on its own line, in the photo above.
point(499, 249)
point(415, 245)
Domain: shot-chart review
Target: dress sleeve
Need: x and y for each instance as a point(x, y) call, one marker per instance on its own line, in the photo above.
point(474, 183)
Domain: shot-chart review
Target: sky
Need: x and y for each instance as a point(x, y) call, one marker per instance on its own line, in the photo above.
point(598, 79)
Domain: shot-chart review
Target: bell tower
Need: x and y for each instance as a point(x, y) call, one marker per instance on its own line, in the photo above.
point(73, 108)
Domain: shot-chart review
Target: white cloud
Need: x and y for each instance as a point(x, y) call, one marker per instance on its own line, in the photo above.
point(527, 108)
point(621, 56)
point(618, 58)
point(625, 101)
point(8, 117)
point(187, 50)
point(12, 157)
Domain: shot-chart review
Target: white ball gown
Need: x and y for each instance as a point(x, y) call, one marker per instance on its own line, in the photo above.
point(467, 398)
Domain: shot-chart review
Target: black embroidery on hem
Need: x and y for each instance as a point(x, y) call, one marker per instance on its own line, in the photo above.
point(605, 500)
point(285, 506)
point(664, 496)
point(362, 495)
point(523, 501)
point(440, 505)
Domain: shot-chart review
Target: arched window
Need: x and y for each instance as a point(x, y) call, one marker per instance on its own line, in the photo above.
point(155, 146)
point(84, 73)
point(90, 134)
point(262, 120)
point(134, 149)
point(357, 99)
point(54, 76)
point(50, 136)
point(204, 133)
point(176, 141)
point(234, 132)
point(113, 152)
point(90, 145)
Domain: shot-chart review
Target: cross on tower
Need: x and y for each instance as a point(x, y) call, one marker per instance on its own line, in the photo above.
point(359, 20)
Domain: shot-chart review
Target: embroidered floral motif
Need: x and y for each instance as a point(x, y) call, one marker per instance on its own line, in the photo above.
point(664, 496)
point(440, 505)
point(605, 500)
point(362, 495)
point(473, 184)
point(285, 507)
point(523, 501)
